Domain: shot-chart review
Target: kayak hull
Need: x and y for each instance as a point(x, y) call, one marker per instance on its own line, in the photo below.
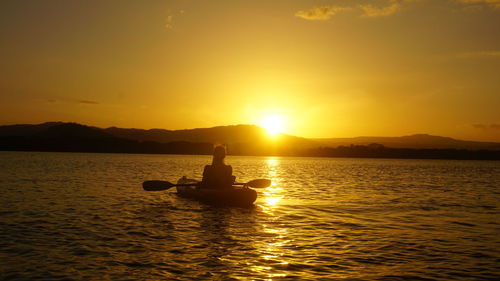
point(234, 196)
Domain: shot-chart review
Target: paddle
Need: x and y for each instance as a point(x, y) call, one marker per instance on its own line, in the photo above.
point(258, 183)
point(158, 185)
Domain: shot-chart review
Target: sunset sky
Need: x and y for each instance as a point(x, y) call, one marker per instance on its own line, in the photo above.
point(340, 68)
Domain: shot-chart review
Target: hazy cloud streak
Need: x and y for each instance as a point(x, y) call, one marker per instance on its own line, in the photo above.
point(492, 3)
point(62, 100)
point(480, 54)
point(88, 102)
point(487, 126)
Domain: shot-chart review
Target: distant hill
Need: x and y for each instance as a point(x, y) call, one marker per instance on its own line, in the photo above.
point(25, 129)
point(420, 141)
point(221, 134)
point(239, 139)
point(71, 130)
point(73, 137)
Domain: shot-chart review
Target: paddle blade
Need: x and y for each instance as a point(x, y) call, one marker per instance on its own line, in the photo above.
point(156, 185)
point(259, 183)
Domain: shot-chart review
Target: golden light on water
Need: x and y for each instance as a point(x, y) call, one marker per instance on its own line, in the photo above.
point(273, 200)
point(273, 194)
point(272, 161)
point(274, 252)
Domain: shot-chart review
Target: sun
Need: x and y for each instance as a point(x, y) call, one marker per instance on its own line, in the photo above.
point(274, 124)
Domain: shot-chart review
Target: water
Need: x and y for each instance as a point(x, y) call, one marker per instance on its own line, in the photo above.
point(69, 216)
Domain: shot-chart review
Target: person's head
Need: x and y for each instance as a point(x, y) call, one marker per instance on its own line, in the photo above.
point(219, 154)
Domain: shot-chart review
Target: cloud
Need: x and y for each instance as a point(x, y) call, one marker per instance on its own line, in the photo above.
point(320, 13)
point(390, 7)
point(489, 127)
point(168, 22)
point(88, 102)
point(169, 19)
point(491, 3)
point(365, 10)
point(371, 11)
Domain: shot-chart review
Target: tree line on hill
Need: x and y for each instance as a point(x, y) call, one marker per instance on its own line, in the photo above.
point(380, 151)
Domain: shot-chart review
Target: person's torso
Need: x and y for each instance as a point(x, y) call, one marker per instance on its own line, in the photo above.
point(217, 176)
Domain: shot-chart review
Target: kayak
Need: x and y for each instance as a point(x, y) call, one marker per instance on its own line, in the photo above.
point(240, 196)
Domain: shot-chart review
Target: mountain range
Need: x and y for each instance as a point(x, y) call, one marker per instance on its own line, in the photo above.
point(241, 139)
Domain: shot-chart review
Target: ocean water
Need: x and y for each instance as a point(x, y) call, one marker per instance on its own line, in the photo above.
point(72, 216)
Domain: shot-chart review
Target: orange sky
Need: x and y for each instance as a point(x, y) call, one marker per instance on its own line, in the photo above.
point(329, 68)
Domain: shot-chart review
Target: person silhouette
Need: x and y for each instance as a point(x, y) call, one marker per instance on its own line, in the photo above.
point(218, 175)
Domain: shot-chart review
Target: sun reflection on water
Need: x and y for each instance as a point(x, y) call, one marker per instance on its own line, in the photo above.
point(272, 161)
point(272, 252)
point(272, 248)
point(273, 201)
point(271, 196)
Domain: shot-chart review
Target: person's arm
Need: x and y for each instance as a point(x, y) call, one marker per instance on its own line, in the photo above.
point(206, 172)
point(230, 177)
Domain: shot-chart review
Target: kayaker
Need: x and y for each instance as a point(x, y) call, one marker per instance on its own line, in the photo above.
point(218, 175)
